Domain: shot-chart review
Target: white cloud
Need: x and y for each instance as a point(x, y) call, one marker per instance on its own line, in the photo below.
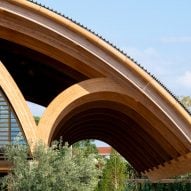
point(167, 69)
point(176, 39)
point(150, 59)
point(185, 79)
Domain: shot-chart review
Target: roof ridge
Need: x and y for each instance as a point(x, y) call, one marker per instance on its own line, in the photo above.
point(117, 48)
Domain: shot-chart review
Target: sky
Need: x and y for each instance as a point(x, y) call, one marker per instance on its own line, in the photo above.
point(157, 34)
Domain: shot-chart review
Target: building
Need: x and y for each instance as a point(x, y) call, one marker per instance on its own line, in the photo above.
point(91, 90)
point(104, 151)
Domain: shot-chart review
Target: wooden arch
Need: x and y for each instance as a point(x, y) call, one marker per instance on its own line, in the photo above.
point(105, 83)
point(18, 103)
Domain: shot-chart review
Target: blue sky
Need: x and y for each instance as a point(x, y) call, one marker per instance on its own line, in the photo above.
point(157, 34)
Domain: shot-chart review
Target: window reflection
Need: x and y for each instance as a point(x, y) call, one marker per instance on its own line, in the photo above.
point(9, 125)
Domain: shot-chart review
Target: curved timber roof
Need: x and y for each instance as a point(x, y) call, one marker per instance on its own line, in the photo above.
point(90, 89)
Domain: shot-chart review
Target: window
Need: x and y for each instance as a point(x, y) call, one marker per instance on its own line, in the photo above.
point(10, 127)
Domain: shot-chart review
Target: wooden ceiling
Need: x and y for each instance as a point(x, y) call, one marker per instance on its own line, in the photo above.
point(91, 90)
point(39, 77)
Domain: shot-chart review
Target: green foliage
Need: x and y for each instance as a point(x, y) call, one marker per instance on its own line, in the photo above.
point(179, 183)
point(37, 119)
point(114, 174)
point(186, 101)
point(88, 147)
point(52, 168)
point(181, 186)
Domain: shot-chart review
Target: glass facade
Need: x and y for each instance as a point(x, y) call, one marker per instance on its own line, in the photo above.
point(10, 128)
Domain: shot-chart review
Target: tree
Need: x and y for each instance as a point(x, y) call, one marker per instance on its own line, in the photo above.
point(37, 119)
point(186, 101)
point(114, 174)
point(88, 146)
point(50, 168)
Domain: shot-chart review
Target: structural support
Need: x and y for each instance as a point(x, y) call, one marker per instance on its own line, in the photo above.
point(112, 98)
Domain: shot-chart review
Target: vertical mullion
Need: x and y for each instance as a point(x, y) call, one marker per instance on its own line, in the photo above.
point(7, 118)
point(9, 123)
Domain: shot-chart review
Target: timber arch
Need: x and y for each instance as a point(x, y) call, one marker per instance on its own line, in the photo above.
point(91, 90)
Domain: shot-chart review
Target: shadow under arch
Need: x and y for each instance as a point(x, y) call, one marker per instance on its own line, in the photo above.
point(102, 109)
point(106, 121)
point(123, 81)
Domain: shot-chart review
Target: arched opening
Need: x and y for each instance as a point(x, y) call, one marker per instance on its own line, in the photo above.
point(59, 55)
point(121, 128)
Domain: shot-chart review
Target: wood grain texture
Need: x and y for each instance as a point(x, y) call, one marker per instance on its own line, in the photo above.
point(114, 100)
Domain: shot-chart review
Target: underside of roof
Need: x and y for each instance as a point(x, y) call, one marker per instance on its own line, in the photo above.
point(91, 91)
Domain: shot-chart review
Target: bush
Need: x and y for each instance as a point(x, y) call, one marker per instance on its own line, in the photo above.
point(50, 168)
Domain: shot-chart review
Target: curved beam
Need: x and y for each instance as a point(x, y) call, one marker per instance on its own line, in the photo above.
point(54, 33)
point(19, 104)
point(117, 126)
point(107, 89)
point(124, 82)
point(71, 100)
point(72, 119)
